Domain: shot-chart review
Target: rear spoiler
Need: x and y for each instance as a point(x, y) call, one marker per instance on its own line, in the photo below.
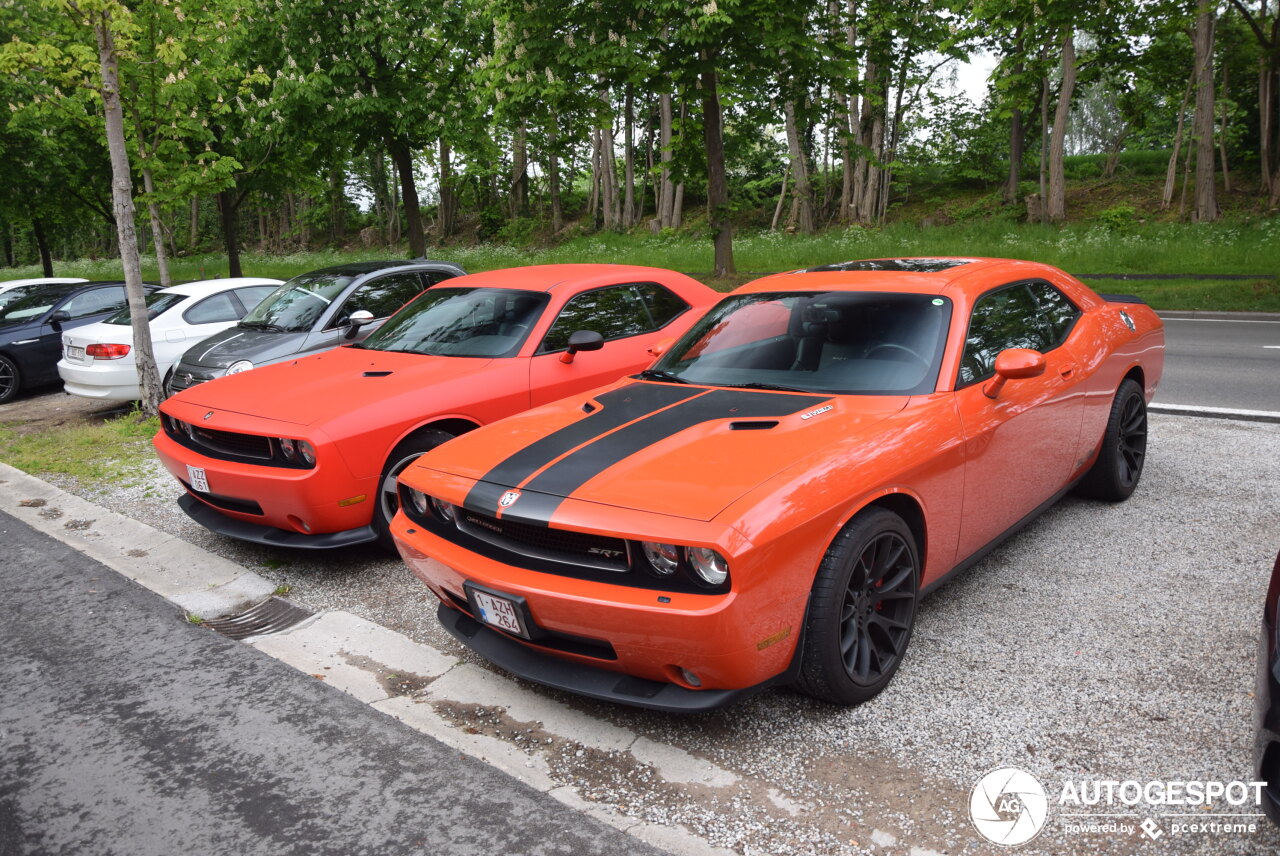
point(1122, 298)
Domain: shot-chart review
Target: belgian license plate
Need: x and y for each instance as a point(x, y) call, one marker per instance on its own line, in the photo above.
point(498, 611)
point(75, 352)
point(198, 480)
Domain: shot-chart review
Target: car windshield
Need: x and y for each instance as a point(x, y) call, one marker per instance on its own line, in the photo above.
point(867, 343)
point(31, 301)
point(298, 304)
point(461, 322)
point(157, 303)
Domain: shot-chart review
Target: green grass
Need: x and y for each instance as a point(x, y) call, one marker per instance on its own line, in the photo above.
point(1242, 247)
point(115, 450)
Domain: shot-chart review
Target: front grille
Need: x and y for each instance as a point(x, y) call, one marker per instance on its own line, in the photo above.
point(543, 542)
point(182, 379)
point(230, 443)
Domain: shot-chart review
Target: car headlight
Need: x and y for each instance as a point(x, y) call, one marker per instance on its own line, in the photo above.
point(708, 565)
point(239, 366)
point(288, 448)
point(442, 509)
point(307, 452)
point(665, 558)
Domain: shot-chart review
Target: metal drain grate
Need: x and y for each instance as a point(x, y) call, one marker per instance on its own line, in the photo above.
point(271, 616)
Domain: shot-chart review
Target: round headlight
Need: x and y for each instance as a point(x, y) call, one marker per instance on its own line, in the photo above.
point(417, 500)
point(287, 448)
point(664, 558)
point(307, 452)
point(239, 366)
point(442, 509)
point(710, 567)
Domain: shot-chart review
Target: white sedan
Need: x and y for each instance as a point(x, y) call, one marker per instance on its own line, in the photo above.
point(98, 359)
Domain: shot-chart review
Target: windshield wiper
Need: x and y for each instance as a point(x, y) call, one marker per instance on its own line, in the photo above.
point(658, 374)
point(777, 387)
point(263, 325)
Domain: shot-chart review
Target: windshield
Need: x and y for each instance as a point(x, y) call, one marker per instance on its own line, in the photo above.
point(867, 343)
point(157, 302)
point(461, 322)
point(31, 301)
point(298, 304)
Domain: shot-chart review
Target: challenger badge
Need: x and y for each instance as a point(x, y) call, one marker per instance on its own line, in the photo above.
point(813, 413)
point(1128, 321)
point(509, 499)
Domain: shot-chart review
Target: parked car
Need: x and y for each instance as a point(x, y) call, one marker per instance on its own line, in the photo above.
point(9, 284)
point(768, 502)
point(98, 359)
point(311, 312)
point(33, 321)
point(1267, 701)
point(306, 453)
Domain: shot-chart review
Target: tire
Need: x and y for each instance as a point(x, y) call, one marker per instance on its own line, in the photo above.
point(10, 379)
point(388, 500)
point(1116, 472)
point(861, 610)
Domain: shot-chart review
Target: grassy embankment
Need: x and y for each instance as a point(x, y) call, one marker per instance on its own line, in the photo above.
point(93, 451)
point(1137, 248)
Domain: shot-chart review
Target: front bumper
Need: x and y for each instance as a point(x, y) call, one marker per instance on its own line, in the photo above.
point(1267, 719)
point(215, 521)
point(614, 641)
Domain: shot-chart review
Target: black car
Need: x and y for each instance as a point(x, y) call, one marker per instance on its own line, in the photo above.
point(1267, 701)
point(32, 318)
point(312, 312)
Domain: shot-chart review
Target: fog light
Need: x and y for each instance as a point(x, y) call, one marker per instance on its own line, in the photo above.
point(664, 558)
point(690, 678)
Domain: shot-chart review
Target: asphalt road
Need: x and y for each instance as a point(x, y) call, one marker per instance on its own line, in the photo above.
point(1220, 362)
point(123, 729)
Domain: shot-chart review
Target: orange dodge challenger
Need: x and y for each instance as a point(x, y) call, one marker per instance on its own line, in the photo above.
point(306, 453)
point(767, 503)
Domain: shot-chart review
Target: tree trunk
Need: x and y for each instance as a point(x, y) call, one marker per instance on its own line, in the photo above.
point(195, 224)
point(871, 188)
point(1016, 133)
point(1057, 207)
point(1222, 133)
point(782, 195)
point(1113, 153)
point(677, 206)
point(803, 194)
point(629, 170)
point(227, 207)
point(1171, 173)
point(519, 172)
point(865, 124)
point(448, 194)
point(666, 189)
point(122, 204)
point(1044, 149)
point(157, 228)
point(42, 244)
point(1266, 119)
point(403, 159)
point(553, 178)
point(593, 199)
point(1206, 201)
point(717, 185)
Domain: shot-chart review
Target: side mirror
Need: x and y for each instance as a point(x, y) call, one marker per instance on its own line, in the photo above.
point(355, 321)
point(582, 340)
point(1014, 364)
point(57, 319)
point(657, 349)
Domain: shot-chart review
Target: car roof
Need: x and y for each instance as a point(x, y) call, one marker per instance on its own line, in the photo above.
point(547, 277)
point(359, 268)
point(205, 287)
point(921, 275)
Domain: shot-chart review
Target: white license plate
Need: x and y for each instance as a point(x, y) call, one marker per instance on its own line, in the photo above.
point(198, 480)
point(75, 352)
point(498, 611)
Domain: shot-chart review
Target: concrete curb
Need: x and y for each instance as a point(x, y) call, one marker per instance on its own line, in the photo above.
point(1216, 412)
point(1207, 315)
point(368, 661)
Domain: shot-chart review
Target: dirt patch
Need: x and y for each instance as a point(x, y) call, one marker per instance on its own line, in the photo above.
point(50, 409)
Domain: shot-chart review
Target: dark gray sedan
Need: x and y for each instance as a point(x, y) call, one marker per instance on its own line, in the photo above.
point(311, 312)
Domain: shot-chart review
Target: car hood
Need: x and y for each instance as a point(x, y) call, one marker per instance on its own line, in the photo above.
point(329, 385)
point(684, 451)
point(241, 343)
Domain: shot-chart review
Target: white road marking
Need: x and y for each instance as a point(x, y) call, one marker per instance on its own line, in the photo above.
point(1272, 347)
point(1219, 412)
point(1223, 320)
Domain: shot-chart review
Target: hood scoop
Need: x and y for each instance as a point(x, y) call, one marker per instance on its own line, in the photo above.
point(753, 425)
point(375, 374)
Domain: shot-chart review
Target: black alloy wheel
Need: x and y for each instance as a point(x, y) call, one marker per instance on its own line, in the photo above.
point(10, 379)
point(1115, 474)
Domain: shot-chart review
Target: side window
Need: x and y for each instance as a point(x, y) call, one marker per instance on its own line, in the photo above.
point(252, 295)
point(434, 277)
point(662, 304)
point(1057, 313)
point(382, 296)
point(613, 312)
point(211, 310)
point(1008, 318)
point(96, 301)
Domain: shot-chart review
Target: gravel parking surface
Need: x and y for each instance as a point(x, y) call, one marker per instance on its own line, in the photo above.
point(1103, 642)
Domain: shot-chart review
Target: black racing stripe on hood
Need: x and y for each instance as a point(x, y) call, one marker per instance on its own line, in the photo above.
point(541, 496)
point(617, 407)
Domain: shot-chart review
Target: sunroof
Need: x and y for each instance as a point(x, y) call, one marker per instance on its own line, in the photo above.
point(908, 265)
